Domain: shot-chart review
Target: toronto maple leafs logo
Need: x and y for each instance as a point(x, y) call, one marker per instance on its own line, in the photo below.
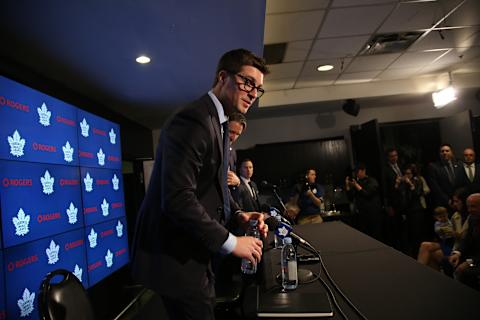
point(25, 303)
point(115, 182)
point(101, 157)
point(47, 182)
point(112, 135)
point(67, 152)
point(109, 258)
point(72, 214)
point(283, 231)
point(44, 115)
point(119, 229)
point(84, 126)
point(21, 222)
point(52, 252)
point(16, 144)
point(88, 183)
point(105, 206)
point(92, 238)
point(78, 272)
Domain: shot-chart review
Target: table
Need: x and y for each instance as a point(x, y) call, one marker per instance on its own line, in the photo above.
point(380, 281)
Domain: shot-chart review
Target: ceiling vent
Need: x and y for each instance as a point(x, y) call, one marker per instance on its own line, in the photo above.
point(274, 53)
point(390, 42)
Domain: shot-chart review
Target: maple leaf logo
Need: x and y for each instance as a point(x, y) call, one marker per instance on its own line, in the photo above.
point(67, 152)
point(47, 182)
point(44, 115)
point(84, 126)
point(17, 143)
point(21, 222)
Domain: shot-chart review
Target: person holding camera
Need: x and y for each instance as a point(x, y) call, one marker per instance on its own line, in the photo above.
point(364, 192)
point(306, 204)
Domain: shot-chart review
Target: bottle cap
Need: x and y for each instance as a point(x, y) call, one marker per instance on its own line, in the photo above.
point(287, 240)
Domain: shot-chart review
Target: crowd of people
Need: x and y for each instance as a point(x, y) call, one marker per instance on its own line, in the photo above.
point(195, 216)
point(427, 218)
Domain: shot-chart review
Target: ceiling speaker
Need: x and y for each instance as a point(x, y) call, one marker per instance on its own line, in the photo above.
point(351, 107)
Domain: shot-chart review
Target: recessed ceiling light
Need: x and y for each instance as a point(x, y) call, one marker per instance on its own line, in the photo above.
point(325, 67)
point(143, 59)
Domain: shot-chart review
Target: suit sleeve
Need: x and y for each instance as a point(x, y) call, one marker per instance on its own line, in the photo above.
point(190, 169)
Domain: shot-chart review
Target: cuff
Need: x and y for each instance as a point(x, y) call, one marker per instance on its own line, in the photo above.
point(229, 244)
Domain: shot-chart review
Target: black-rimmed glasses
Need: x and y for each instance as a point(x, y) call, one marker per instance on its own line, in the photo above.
point(248, 85)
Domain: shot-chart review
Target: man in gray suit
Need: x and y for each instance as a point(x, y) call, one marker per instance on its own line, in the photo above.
point(187, 211)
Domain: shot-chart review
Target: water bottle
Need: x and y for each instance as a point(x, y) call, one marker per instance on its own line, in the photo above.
point(289, 265)
point(277, 240)
point(247, 267)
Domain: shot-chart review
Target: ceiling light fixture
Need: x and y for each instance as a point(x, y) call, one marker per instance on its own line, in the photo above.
point(325, 67)
point(143, 59)
point(443, 97)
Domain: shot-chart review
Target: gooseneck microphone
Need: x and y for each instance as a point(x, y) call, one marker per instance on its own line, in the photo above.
point(268, 185)
point(273, 224)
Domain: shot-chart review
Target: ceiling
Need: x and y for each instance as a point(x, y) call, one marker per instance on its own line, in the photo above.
point(90, 47)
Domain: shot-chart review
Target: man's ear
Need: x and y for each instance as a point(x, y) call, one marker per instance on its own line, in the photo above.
point(222, 76)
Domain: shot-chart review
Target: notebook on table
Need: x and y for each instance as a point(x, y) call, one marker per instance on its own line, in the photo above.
point(293, 304)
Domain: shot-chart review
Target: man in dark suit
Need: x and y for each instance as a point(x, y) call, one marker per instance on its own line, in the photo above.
point(468, 173)
point(393, 174)
point(441, 177)
point(247, 195)
point(466, 257)
point(182, 223)
point(237, 123)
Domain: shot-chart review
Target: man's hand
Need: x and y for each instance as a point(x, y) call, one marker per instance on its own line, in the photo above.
point(232, 179)
point(244, 217)
point(462, 267)
point(249, 248)
point(454, 259)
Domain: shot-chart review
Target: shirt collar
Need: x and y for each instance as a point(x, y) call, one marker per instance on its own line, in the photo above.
point(218, 105)
point(245, 179)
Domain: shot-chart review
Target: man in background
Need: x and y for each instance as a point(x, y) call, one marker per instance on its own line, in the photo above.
point(237, 123)
point(308, 196)
point(247, 195)
point(185, 217)
point(468, 174)
point(441, 177)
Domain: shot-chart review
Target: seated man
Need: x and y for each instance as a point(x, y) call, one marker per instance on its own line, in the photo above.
point(247, 193)
point(306, 203)
point(466, 257)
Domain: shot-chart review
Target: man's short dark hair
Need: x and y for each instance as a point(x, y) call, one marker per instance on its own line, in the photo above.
point(239, 117)
point(445, 145)
point(232, 61)
point(390, 150)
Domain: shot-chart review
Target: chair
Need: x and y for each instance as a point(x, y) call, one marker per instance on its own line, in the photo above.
point(65, 299)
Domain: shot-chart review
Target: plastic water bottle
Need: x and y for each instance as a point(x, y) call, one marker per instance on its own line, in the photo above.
point(289, 265)
point(247, 267)
point(277, 240)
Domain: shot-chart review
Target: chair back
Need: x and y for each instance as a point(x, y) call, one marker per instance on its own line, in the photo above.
point(65, 299)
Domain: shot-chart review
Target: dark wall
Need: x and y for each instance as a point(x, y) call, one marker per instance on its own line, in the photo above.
point(416, 141)
point(136, 139)
point(285, 163)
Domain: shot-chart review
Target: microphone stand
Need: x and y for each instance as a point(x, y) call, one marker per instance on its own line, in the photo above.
point(284, 209)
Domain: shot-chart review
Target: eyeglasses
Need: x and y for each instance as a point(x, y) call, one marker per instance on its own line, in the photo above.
point(248, 85)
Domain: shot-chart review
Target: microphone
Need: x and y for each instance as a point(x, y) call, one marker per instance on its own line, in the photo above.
point(273, 224)
point(268, 185)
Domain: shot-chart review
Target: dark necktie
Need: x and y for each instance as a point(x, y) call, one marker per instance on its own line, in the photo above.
point(254, 194)
point(225, 191)
point(470, 172)
point(450, 172)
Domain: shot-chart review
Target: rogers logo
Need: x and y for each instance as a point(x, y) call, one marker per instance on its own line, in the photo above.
point(113, 158)
point(99, 132)
point(14, 104)
point(69, 182)
point(44, 147)
point(74, 244)
point(65, 121)
point(6, 182)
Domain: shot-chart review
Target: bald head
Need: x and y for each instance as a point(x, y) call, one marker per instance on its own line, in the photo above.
point(473, 204)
